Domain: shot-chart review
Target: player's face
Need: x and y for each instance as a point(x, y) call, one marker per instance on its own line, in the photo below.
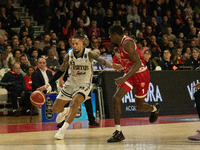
point(112, 37)
point(77, 45)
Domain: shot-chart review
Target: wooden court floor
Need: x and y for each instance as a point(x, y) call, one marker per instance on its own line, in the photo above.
point(168, 133)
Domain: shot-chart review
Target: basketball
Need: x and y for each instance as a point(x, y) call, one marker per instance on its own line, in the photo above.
point(37, 98)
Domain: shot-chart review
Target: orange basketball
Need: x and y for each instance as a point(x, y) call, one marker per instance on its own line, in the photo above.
point(37, 98)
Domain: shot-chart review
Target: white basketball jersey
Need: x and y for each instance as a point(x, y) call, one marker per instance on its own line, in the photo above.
point(80, 69)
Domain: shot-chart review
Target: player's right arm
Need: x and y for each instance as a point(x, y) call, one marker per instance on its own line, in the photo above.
point(58, 74)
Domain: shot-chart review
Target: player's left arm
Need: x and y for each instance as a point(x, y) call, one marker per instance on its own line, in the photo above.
point(102, 61)
point(129, 47)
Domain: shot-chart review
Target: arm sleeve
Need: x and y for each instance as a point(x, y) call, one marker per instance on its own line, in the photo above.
point(56, 76)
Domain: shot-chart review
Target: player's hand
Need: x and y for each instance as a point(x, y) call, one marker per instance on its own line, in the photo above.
point(117, 67)
point(196, 86)
point(120, 81)
point(42, 88)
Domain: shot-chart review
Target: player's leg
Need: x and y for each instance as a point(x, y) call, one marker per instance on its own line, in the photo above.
point(76, 102)
point(117, 135)
point(58, 107)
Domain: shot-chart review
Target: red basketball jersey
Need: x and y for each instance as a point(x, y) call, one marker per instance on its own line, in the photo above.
point(125, 59)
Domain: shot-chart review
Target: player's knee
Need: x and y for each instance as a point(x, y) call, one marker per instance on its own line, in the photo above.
point(116, 99)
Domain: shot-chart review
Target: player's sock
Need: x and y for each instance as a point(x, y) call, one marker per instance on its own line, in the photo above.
point(65, 126)
point(118, 127)
point(65, 111)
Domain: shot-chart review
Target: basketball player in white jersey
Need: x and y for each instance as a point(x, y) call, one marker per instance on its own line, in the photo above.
point(79, 83)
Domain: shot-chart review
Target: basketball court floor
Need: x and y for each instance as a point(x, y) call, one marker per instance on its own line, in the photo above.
point(168, 133)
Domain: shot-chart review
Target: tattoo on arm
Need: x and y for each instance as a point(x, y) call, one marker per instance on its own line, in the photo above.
point(65, 63)
point(100, 60)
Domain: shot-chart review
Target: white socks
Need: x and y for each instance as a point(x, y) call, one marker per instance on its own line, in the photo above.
point(118, 127)
point(154, 109)
point(65, 126)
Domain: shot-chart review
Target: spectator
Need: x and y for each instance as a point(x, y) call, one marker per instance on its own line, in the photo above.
point(61, 6)
point(178, 27)
point(134, 17)
point(68, 30)
point(34, 58)
point(196, 20)
point(163, 26)
point(86, 7)
point(36, 45)
point(72, 17)
point(117, 58)
point(140, 45)
point(143, 4)
point(3, 60)
point(151, 64)
point(147, 34)
point(108, 21)
point(97, 17)
point(57, 22)
point(141, 28)
point(17, 53)
point(26, 30)
point(131, 30)
point(192, 34)
point(9, 8)
point(155, 55)
point(24, 64)
point(28, 83)
point(52, 62)
point(121, 17)
point(93, 29)
point(188, 53)
point(170, 35)
point(101, 10)
point(132, 5)
point(145, 17)
point(178, 58)
point(158, 8)
point(179, 15)
point(15, 19)
point(45, 41)
point(54, 38)
point(194, 60)
point(94, 43)
point(62, 55)
point(42, 76)
point(166, 62)
point(17, 88)
point(188, 11)
point(171, 46)
point(85, 18)
point(157, 17)
point(46, 12)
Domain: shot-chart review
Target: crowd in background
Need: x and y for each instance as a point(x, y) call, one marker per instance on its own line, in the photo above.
point(165, 31)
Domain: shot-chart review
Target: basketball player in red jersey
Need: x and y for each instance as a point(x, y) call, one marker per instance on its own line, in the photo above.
point(136, 76)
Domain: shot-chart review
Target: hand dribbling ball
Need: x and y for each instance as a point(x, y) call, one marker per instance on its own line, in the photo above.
point(38, 98)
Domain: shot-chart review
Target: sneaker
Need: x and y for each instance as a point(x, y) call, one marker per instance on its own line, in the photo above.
point(117, 137)
point(195, 137)
point(154, 115)
point(96, 124)
point(60, 134)
point(16, 114)
point(61, 116)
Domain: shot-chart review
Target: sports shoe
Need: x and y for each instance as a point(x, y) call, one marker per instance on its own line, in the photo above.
point(154, 115)
point(59, 125)
point(94, 123)
point(195, 137)
point(61, 116)
point(117, 137)
point(60, 134)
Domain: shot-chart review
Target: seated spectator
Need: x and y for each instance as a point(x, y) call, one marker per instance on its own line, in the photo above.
point(178, 27)
point(155, 54)
point(15, 19)
point(85, 18)
point(151, 64)
point(67, 30)
point(62, 55)
point(24, 64)
point(9, 8)
point(17, 87)
point(188, 53)
point(36, 45)
point(26, 30)
point(61, 6)
point(188, 11)
point(34, 58)
point(194, 60)
point(134, 17)
point(15, 43)
point(54, 38)
point(192, 34)
point(177, 56)
point(171, 46)
point(17, 53)
point(10, 57)
point(52, 62)
point(28, 83)
point(3, 60)
point(140, 45)
point(107, 22)
point(131, 30)
point(45, 41)
point(42, 76)
point(94, 29)
point(94, 43)
point(170, 35)
point(61, 46)
point(166, 62)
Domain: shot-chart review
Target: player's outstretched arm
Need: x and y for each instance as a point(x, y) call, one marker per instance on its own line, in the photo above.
point(104, 62)
point(58, 74)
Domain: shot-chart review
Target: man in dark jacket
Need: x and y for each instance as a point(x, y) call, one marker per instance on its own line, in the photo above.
point(17, 86)
point(42, 76)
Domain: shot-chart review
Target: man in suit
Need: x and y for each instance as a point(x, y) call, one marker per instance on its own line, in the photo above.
point(40, 77)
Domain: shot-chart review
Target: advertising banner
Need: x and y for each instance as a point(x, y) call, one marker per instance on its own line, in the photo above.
point(172, 89)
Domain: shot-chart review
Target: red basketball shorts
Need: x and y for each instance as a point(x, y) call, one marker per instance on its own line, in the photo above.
point(139, 81)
